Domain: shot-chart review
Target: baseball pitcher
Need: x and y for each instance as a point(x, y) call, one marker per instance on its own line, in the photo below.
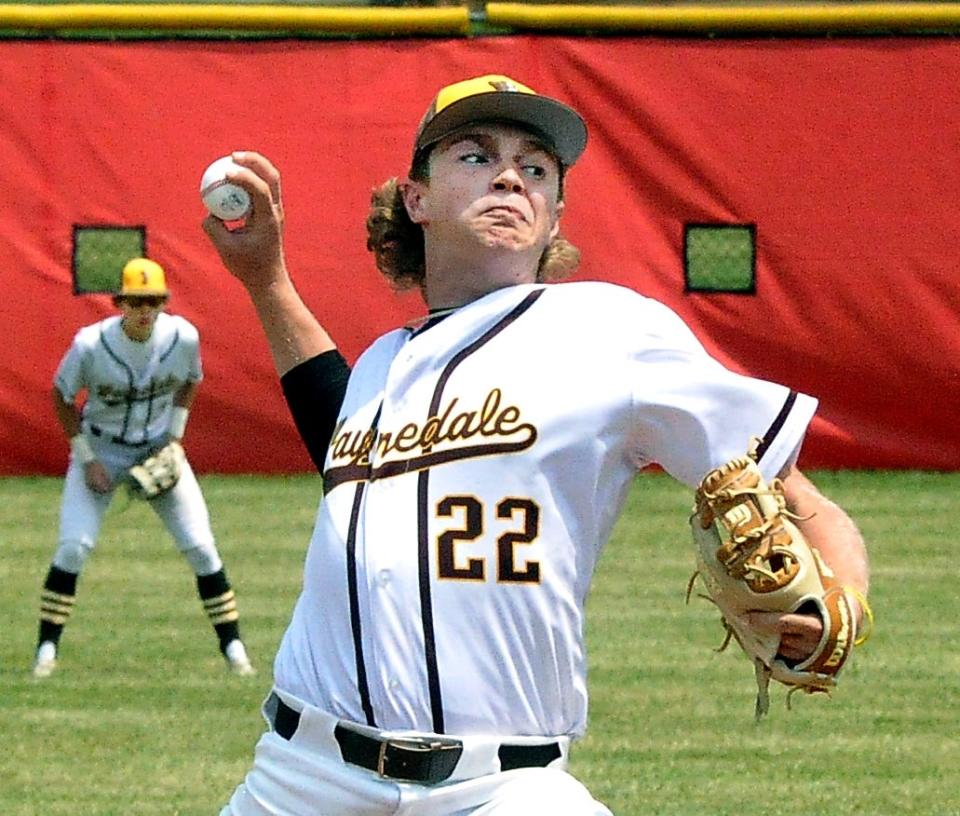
point(474, 464)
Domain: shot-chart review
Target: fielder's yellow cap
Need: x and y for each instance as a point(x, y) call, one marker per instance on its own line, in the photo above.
point(142, 276)
point(497, 98)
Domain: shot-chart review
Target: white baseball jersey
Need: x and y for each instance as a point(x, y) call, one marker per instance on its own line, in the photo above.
point(476, 471)
point(130, 384)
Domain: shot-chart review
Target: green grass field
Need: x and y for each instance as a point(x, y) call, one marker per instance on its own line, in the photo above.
point(142, 717)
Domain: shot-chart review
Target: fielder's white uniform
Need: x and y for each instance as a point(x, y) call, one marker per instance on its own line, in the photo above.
point(476, 471)
point(130, 387)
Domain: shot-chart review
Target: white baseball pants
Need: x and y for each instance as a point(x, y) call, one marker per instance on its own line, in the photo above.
point(183, 511)
point(306, 776)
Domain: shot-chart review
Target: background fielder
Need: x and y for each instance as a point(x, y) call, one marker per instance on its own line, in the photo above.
point(477, 461)
point(140, 371)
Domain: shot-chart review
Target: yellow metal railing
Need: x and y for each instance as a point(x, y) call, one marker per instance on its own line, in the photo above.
point(457, 20)
point(186, 16)
point(705, 18)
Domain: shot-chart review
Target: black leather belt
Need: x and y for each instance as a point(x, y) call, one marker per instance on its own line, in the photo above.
point(116, 439)
point(427, 760)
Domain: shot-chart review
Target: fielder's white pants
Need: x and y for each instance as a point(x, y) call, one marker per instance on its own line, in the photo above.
point(306, 776)
point(183, 510)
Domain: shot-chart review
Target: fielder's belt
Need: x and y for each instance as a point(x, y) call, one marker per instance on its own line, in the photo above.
point(118, 440)
point(426, 760)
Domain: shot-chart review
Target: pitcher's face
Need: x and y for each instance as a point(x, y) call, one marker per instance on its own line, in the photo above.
point(490, 186)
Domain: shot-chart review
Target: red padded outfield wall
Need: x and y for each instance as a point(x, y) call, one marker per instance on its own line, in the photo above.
point(845, 154)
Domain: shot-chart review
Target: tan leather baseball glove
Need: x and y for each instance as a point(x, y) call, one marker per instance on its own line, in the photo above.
point(752, 557)
point(158, 473)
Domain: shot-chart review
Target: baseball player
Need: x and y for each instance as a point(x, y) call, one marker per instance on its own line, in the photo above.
point(140, 371)
point(474, 464)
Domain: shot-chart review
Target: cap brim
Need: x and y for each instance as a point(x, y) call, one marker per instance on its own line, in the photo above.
point(142, 291)
point(562, 126)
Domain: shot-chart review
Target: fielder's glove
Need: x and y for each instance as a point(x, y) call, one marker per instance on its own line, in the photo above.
point(158, 473)
point(751, 556)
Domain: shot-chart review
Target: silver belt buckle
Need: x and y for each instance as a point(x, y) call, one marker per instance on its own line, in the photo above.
point(412, 744)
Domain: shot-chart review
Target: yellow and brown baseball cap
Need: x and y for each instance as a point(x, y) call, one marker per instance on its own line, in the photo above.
point(496, 98)
point(142, 277)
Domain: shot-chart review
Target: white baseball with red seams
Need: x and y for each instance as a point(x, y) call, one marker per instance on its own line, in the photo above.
point(227, 201)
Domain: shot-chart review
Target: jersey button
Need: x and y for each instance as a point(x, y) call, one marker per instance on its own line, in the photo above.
point(383, 577)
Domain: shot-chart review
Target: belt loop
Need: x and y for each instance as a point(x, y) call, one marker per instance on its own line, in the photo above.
point(286, 720)
point(382, 759)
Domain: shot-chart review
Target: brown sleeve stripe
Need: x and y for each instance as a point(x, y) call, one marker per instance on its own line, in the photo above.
point(776, 425)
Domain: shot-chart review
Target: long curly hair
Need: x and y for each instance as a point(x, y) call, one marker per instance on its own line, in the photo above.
point(397, 242)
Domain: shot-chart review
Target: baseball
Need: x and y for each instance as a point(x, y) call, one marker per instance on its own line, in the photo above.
point(228, 202)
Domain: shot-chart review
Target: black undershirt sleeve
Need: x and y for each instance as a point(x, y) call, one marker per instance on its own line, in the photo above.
point(314, 392)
